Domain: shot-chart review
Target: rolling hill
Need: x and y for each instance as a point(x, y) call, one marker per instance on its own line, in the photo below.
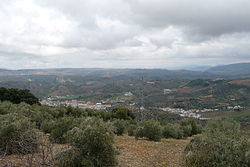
point(232, 70)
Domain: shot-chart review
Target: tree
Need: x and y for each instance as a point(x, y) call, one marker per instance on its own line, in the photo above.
point(17, 96)
point(92, 145)
point(122, 113)
point(151, 129)
point(120, 126)
point(17, 135)
point(222, 144)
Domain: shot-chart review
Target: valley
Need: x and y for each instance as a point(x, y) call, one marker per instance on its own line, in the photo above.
point(158, 92)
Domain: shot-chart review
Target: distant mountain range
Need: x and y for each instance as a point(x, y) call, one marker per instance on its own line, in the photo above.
point(192, 68)
point(232, 70)
point(240, 70)
point(2, 69)
point(92, 81)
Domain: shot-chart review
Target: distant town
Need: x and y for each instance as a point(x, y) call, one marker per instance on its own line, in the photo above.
point(103, 105)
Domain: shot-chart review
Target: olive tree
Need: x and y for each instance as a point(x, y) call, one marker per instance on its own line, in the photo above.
point(222, 144)
point(17, 135)
point(91, 145)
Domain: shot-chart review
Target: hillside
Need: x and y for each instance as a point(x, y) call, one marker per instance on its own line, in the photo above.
point(233, 70)
point(111, 86)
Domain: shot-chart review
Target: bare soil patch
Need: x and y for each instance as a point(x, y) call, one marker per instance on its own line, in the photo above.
point(143, 153)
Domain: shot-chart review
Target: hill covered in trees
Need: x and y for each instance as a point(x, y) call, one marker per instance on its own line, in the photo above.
point(17, 96)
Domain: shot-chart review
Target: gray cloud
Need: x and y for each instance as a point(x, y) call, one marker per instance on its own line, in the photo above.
point(123, 33)
point(212, 17)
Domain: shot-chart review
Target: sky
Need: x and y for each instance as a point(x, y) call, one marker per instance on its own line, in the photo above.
point(123, 33)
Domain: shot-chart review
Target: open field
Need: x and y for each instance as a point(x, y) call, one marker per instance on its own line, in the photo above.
point(132, 153)
point(227, 113)
point(143, 153)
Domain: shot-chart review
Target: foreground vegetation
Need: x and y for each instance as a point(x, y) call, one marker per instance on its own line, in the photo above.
point(221, 144)
point(87, 138)
point(88, 135)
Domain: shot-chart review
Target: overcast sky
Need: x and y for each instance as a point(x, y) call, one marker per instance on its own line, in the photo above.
point(123, 33)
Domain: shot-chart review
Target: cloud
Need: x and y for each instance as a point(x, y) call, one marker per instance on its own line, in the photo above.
point(123, 33)
point(213, 17)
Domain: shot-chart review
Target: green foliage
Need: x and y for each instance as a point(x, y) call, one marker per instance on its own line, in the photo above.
point(59, 129)
point(48, 126)
point(169, 132)
point(179, 132)
point(92, 145)
point(122, 113)
point(17, 96)
point(242, 117)
point(199, 83)
point(190, 127)
point(132, 129)
point(99, 113)
point(222, 144)
point(152, 130)
point(186, 128)
point(120, 126)
point(17, 135)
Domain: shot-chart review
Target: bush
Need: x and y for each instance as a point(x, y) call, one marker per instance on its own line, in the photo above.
point(92, 145)
point(122, 113)
point(7, 107)
point(222, 144)
point(17, 135)
point(179, 132)
point(132, 129)
point(193, 128)
point(120, 126)
point(39, 117)
point(169, 132)
point(187, 130)
point(152, 130)
point(17, 96)
point(48, 126)
point(59, 129)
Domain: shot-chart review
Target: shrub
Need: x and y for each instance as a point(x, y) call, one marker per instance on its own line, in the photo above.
point(179, 132)
point(187, 130)
point(194, 128)
point(48, 126)
point(122, 113)
point(169, 132)
point(92, 145)
point(7, 107)
point(152, 130)
point(222, 144)
point(58, 112)
point(17, 135)
point(59, 129)
point(120, 126)
point(39, 117)
point(132, 129)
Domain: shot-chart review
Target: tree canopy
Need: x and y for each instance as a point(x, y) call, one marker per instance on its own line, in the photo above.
point(17, 96)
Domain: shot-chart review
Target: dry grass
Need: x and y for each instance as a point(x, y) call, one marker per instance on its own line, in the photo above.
point(133, 153)
point(241, 82)
point(143, 153)
point(189, 89)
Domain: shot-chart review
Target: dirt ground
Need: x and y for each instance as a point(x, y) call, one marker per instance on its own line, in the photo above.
point(143, 153)
point(132, 153)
